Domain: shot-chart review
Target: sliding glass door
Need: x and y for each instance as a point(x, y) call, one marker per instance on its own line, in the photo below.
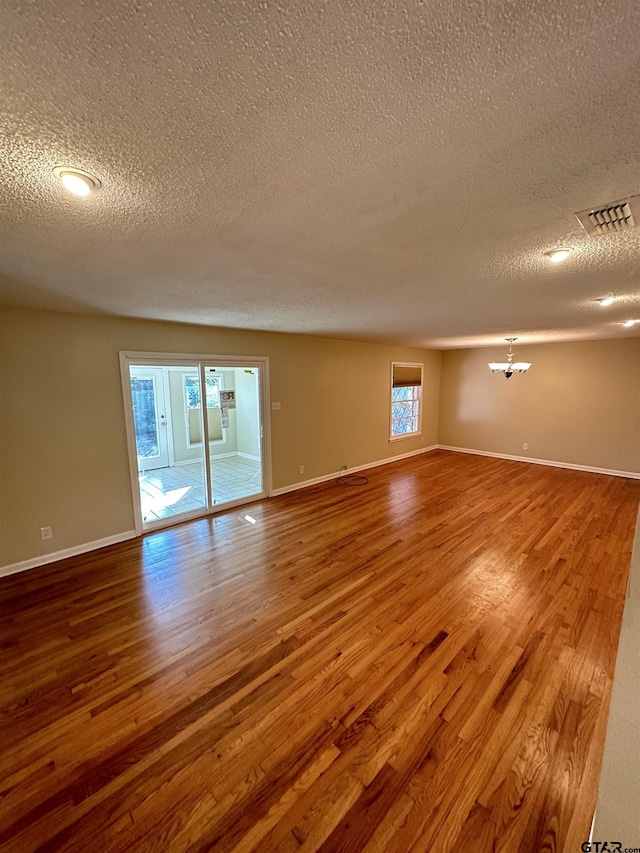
point(196, 435)
point(236, 465)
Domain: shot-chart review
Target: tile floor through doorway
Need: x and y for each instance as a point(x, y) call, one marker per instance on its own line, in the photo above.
point(166, 492)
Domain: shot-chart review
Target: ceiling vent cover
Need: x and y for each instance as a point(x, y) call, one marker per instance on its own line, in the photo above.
point(608, 218)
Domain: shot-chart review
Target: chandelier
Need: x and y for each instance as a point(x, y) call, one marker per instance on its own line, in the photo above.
point(508, 367)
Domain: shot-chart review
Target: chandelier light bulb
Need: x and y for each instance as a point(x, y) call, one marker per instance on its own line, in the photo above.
point(508, 368)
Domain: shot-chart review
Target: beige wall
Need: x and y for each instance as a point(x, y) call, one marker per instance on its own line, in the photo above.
point(579, 403)
point(64, 453)
point(247, 412)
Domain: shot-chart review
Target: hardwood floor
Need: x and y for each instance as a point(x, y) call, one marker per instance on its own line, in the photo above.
point(422, 663)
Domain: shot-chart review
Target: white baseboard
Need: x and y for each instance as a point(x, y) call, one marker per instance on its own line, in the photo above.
point(634, 475)
point(326, 477)
point(44, 559)
point(221, 456)
point(199, 459)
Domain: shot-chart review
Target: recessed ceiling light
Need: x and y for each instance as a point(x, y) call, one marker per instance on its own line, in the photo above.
point(556, 256)
point(629, 324)
point(606, 301)
point(76, 181)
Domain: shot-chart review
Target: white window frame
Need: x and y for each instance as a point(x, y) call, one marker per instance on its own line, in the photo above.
point(417, 399)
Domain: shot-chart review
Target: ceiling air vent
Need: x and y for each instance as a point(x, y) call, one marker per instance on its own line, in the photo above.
point(608, 218)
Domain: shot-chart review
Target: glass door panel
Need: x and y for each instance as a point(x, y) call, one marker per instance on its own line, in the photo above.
point(167, 420)
point(235, 431)
point(149, 416)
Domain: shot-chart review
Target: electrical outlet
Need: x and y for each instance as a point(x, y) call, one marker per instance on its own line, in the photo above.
point(46, 533)
point(525, 446)
point(302, 469)
point(275, 407)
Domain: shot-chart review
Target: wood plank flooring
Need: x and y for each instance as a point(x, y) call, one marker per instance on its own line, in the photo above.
point(421, 663)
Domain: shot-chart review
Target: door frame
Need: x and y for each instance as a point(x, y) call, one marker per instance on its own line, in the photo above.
point(129, 358)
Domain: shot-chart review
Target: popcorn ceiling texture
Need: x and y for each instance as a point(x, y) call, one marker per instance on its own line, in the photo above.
point(366, 170)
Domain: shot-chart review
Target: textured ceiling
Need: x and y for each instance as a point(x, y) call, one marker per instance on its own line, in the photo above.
point(366, 170)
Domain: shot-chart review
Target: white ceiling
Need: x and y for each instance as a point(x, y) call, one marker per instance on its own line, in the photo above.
point(368, 170)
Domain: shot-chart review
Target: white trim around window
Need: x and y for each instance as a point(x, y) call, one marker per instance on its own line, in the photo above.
point(415, 401)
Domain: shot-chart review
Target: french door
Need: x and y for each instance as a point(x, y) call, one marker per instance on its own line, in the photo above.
point(150, 417)
point(197, 432)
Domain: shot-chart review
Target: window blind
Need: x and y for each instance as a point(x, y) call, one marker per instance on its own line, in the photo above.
point(407, 375)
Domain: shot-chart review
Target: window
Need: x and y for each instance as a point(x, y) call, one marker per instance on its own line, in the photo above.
point(192, 390)
point(143, 399)
point(217, 432)
point(406, 395)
